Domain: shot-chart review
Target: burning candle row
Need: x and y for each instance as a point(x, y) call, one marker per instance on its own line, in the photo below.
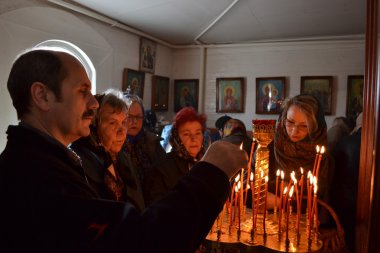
point(258, 183)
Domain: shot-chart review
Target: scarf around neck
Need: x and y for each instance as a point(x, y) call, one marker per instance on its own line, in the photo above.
point(292, 155)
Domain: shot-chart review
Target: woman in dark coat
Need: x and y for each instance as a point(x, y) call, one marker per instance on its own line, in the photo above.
point(186, 140)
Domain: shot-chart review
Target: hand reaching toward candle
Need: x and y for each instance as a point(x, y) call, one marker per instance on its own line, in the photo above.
point(226, 156)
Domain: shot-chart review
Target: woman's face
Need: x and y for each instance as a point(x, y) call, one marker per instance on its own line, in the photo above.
point(135, 119)
point(191, 136)
point(296, 124)
point(112, 129)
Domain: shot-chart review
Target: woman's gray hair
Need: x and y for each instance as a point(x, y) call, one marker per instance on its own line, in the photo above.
point(113, 98)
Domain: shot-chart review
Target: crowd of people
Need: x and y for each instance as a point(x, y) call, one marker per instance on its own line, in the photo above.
point(81, 173)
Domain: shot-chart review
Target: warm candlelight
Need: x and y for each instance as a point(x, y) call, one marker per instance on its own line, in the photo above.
point(288, 211)
point(316, 225)
point(297, 202)
point(281, 188)
point(319, 160)
point(232, 198)
point(283, 197)
point(275, 198)
point(301, 187)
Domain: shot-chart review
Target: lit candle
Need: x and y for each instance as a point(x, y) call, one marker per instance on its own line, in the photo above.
point(297, 201)
point(309, 197)
point(275, 198)
point(315, 160)
point(239, 197)
point(301, 187)
point(319, 161)
point(292, 174)
point(316, 207)
point(281, 188)
point(283, 197)
point(288, 211)
point(232, 197)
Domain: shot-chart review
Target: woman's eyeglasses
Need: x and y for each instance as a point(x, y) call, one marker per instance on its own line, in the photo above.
point(134, 118)
point(292, 125)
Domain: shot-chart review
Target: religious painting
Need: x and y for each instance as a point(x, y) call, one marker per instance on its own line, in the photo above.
point(133, 81)
point(160, 93)
point(270, 93)
point(321, 88)
point(147, 55)
point(354, 96)
point(186, 93)
point(230, 94)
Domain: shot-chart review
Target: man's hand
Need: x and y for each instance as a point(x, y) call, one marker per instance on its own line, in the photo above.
point(226, 156)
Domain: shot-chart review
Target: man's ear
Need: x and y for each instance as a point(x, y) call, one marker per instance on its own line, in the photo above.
point(40, 96)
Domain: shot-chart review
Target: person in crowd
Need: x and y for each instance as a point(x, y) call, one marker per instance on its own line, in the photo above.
point(341, 127)
point(107, 168)
point(186, 139)
point(47, 203)
point(235, 132)
point(344, 187)
point(301, 126)
point(142, 146)
point(219, 124)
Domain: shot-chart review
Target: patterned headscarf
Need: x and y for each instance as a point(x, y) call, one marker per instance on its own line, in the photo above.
point(292, 155)
point(179, 149)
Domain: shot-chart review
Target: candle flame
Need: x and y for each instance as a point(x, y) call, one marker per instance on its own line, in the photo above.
point(282, 175)
point(315, 188)
point(239, 185)
point(301, 169)
point(236, 189)
point(285, 190)
point(317, 149)
point(251, 177)
point(291, 191)
point(292, 176)
point(323, 149)
point(266, 179)
point(241, 146)
point(237, 178)
point(278, 173)
point(309, 174)
point(248, 187)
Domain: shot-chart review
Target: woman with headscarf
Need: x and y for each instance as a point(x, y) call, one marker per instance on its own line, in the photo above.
point(141, 146)
point(300, 128)
point(106, 168)
point(186, 139)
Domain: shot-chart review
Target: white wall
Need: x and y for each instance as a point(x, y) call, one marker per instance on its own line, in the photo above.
point(25, 23)
point(292, 60)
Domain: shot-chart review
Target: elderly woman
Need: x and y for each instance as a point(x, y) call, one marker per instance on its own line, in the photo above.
point(106, 168)
point(143, 147)
point(187, 148)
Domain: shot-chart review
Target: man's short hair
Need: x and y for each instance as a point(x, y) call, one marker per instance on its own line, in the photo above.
point(34, 66)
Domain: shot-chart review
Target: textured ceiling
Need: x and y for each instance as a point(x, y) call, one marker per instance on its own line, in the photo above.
point(184, 22)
